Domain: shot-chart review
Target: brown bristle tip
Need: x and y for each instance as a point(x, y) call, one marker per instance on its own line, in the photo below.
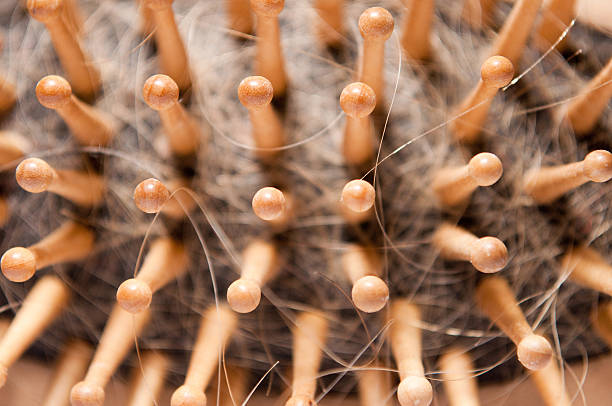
point(134, 295)
point(358, 100)
point(160, 92)
point(188, 396)
point(598, 166)
point(414, 391)
point(243, 296)
point(497, 71)
point(34, 175)
point(53, 91)
point(269, 203)
point(358, 195)
point(43, 10)
point(267, 8)
point(370, 294)
point(489, 255)
point(485, 168)
point(376, 22)
point(18, 264)
point(534, 352)
point(150, 195)
point(87, 394)
point(255, 92)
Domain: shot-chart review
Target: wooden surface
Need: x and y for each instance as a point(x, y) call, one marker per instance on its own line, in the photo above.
point(28, 379)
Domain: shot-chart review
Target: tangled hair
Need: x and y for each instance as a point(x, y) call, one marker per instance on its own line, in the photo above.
point(524, 130)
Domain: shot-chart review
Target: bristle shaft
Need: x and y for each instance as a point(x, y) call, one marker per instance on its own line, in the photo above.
point(497, 300)
point(330, 28)
point(473, 113)
point(374, 388)
point(73, 16)
point(83, 77)
point(372, 66)
point(513, 36)
point(587, 107)
point(588, 268)
point(71, 241)
point(165, 261)
point(69, 370)
point(309, 335)
point(10, 151)
point(416, 29)
point(547, 184)
point(117, 339)
point(8, 94)
point(268, 131)
point(217, 327)
point(454, 242)
point(556, 17)
point(42, 305)
point(405, 336)
point(260, 262)
point(269, 59)
point(239, 15)
point(172, 53)
point(148, 380)
point(478, 12)
point(358, 145)
point(85, 189)
point(88, 125)
point(460, 384)
point(551, 385)
point(453, 185)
